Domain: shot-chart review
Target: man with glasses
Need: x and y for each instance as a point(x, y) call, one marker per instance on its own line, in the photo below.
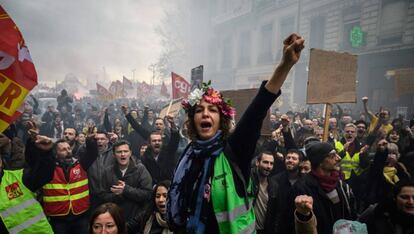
point(350, 150)
point(361, 135)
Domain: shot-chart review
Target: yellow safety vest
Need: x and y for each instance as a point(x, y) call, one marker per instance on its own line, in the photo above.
point(348, 163)
point(19, 210)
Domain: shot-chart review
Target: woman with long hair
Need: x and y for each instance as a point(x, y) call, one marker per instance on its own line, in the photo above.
point(211, 191)
point(153, 221)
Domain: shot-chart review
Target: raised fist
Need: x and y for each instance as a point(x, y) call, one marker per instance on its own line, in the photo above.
point(292, 47)
point(364, 99)
point(304, 204)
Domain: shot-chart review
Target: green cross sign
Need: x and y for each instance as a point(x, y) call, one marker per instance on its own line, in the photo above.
point(356, 36)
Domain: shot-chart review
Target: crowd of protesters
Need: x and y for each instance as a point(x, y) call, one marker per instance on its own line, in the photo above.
point(95, 166)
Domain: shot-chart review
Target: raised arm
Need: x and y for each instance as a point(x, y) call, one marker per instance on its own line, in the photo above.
point(292, 47)
point(135, 125)
point(247, 131)
point(368, 112)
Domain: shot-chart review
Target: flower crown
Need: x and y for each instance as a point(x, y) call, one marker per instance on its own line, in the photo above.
point(211, 96)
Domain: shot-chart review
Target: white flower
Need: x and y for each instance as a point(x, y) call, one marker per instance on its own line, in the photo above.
point(195, 97)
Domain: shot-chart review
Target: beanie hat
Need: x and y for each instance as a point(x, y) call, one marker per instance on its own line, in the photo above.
point(317, 152)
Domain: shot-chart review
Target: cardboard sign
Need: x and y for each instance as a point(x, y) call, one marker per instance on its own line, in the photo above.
point(172, 108)
point(332, 77)
point(404, 81)
point(241, 99)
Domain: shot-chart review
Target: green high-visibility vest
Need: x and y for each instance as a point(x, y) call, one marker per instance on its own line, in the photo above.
point(234, 214)
point(19, 210)
point(348, 163)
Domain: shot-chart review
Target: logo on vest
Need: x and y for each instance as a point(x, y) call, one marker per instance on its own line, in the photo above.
point(76, 173)
point(13, 191)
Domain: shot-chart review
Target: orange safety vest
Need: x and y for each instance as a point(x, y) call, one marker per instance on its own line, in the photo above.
point(61, 196)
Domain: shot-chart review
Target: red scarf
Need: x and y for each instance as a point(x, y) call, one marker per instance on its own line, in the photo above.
point(328, 183)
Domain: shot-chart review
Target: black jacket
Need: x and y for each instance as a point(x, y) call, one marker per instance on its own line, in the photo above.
point(241, 145)
point(137, 192)
point(163, 168)
point(325, 211)
point(385, 218)
point(377, 188)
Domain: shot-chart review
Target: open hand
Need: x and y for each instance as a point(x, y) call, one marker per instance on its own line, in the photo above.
point(33, 130)
point(43, 143)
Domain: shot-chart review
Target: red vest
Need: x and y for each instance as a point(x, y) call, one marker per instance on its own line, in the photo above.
point(61, 196)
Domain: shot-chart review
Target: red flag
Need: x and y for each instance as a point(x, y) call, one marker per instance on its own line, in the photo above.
point(180, 87)
point(127, 84)
point(17, 71)
point(164, 90)
point(143, 89)
point(102, 91)
point(112, 87)
point(119, 89)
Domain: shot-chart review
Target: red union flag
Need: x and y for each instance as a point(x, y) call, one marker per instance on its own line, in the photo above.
point(127, 83)
point(103, 92)
point(164, 90)
point(180, 87)
point(143, 89)
point(17, 71)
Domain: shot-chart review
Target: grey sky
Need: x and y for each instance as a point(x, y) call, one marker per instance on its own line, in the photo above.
point(83, 36)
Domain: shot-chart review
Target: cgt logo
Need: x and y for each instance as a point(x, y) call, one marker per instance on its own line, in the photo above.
point(182, 86)
point(13, 191)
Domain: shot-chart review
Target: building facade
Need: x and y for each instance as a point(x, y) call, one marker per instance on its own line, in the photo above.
point(240, 43)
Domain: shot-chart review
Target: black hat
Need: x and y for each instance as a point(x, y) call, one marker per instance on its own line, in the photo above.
point(317, 152)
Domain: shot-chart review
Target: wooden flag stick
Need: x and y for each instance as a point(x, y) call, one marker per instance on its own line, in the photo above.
point(328, 110)
point(169, 107)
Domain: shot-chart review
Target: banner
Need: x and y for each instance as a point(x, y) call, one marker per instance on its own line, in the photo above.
point(143, 89)
point(103, 92)
point(180, 87)
point(120, 92)
point(332, 77)
point(127, 84)
point(196, 77)
point(241, 99)
point(164, 90)
point(403, 81)
point(173, 108)
point(17, 71)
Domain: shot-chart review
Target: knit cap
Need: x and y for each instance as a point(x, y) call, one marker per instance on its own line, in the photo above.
point(317, 152)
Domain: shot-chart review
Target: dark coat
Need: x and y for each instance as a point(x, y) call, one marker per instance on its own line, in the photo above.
point(163, 168)
point(384, 218)
point(137, 192)
point(323, 208)
point(278, 191)
point(377, 187)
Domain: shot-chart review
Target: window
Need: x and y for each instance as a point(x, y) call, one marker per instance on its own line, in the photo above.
point(317, 32)
point(265, 55)
point(226, 53)
point(393, 15)
point(287, 26)
point(244, 49)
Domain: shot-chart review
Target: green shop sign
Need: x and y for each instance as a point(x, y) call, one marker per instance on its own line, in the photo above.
point(356, 37)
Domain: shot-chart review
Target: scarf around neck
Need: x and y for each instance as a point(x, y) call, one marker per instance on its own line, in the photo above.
point(190, 178)
point(328, 183)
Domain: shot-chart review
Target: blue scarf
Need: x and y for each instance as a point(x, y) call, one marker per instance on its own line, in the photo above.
point(190, 178)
